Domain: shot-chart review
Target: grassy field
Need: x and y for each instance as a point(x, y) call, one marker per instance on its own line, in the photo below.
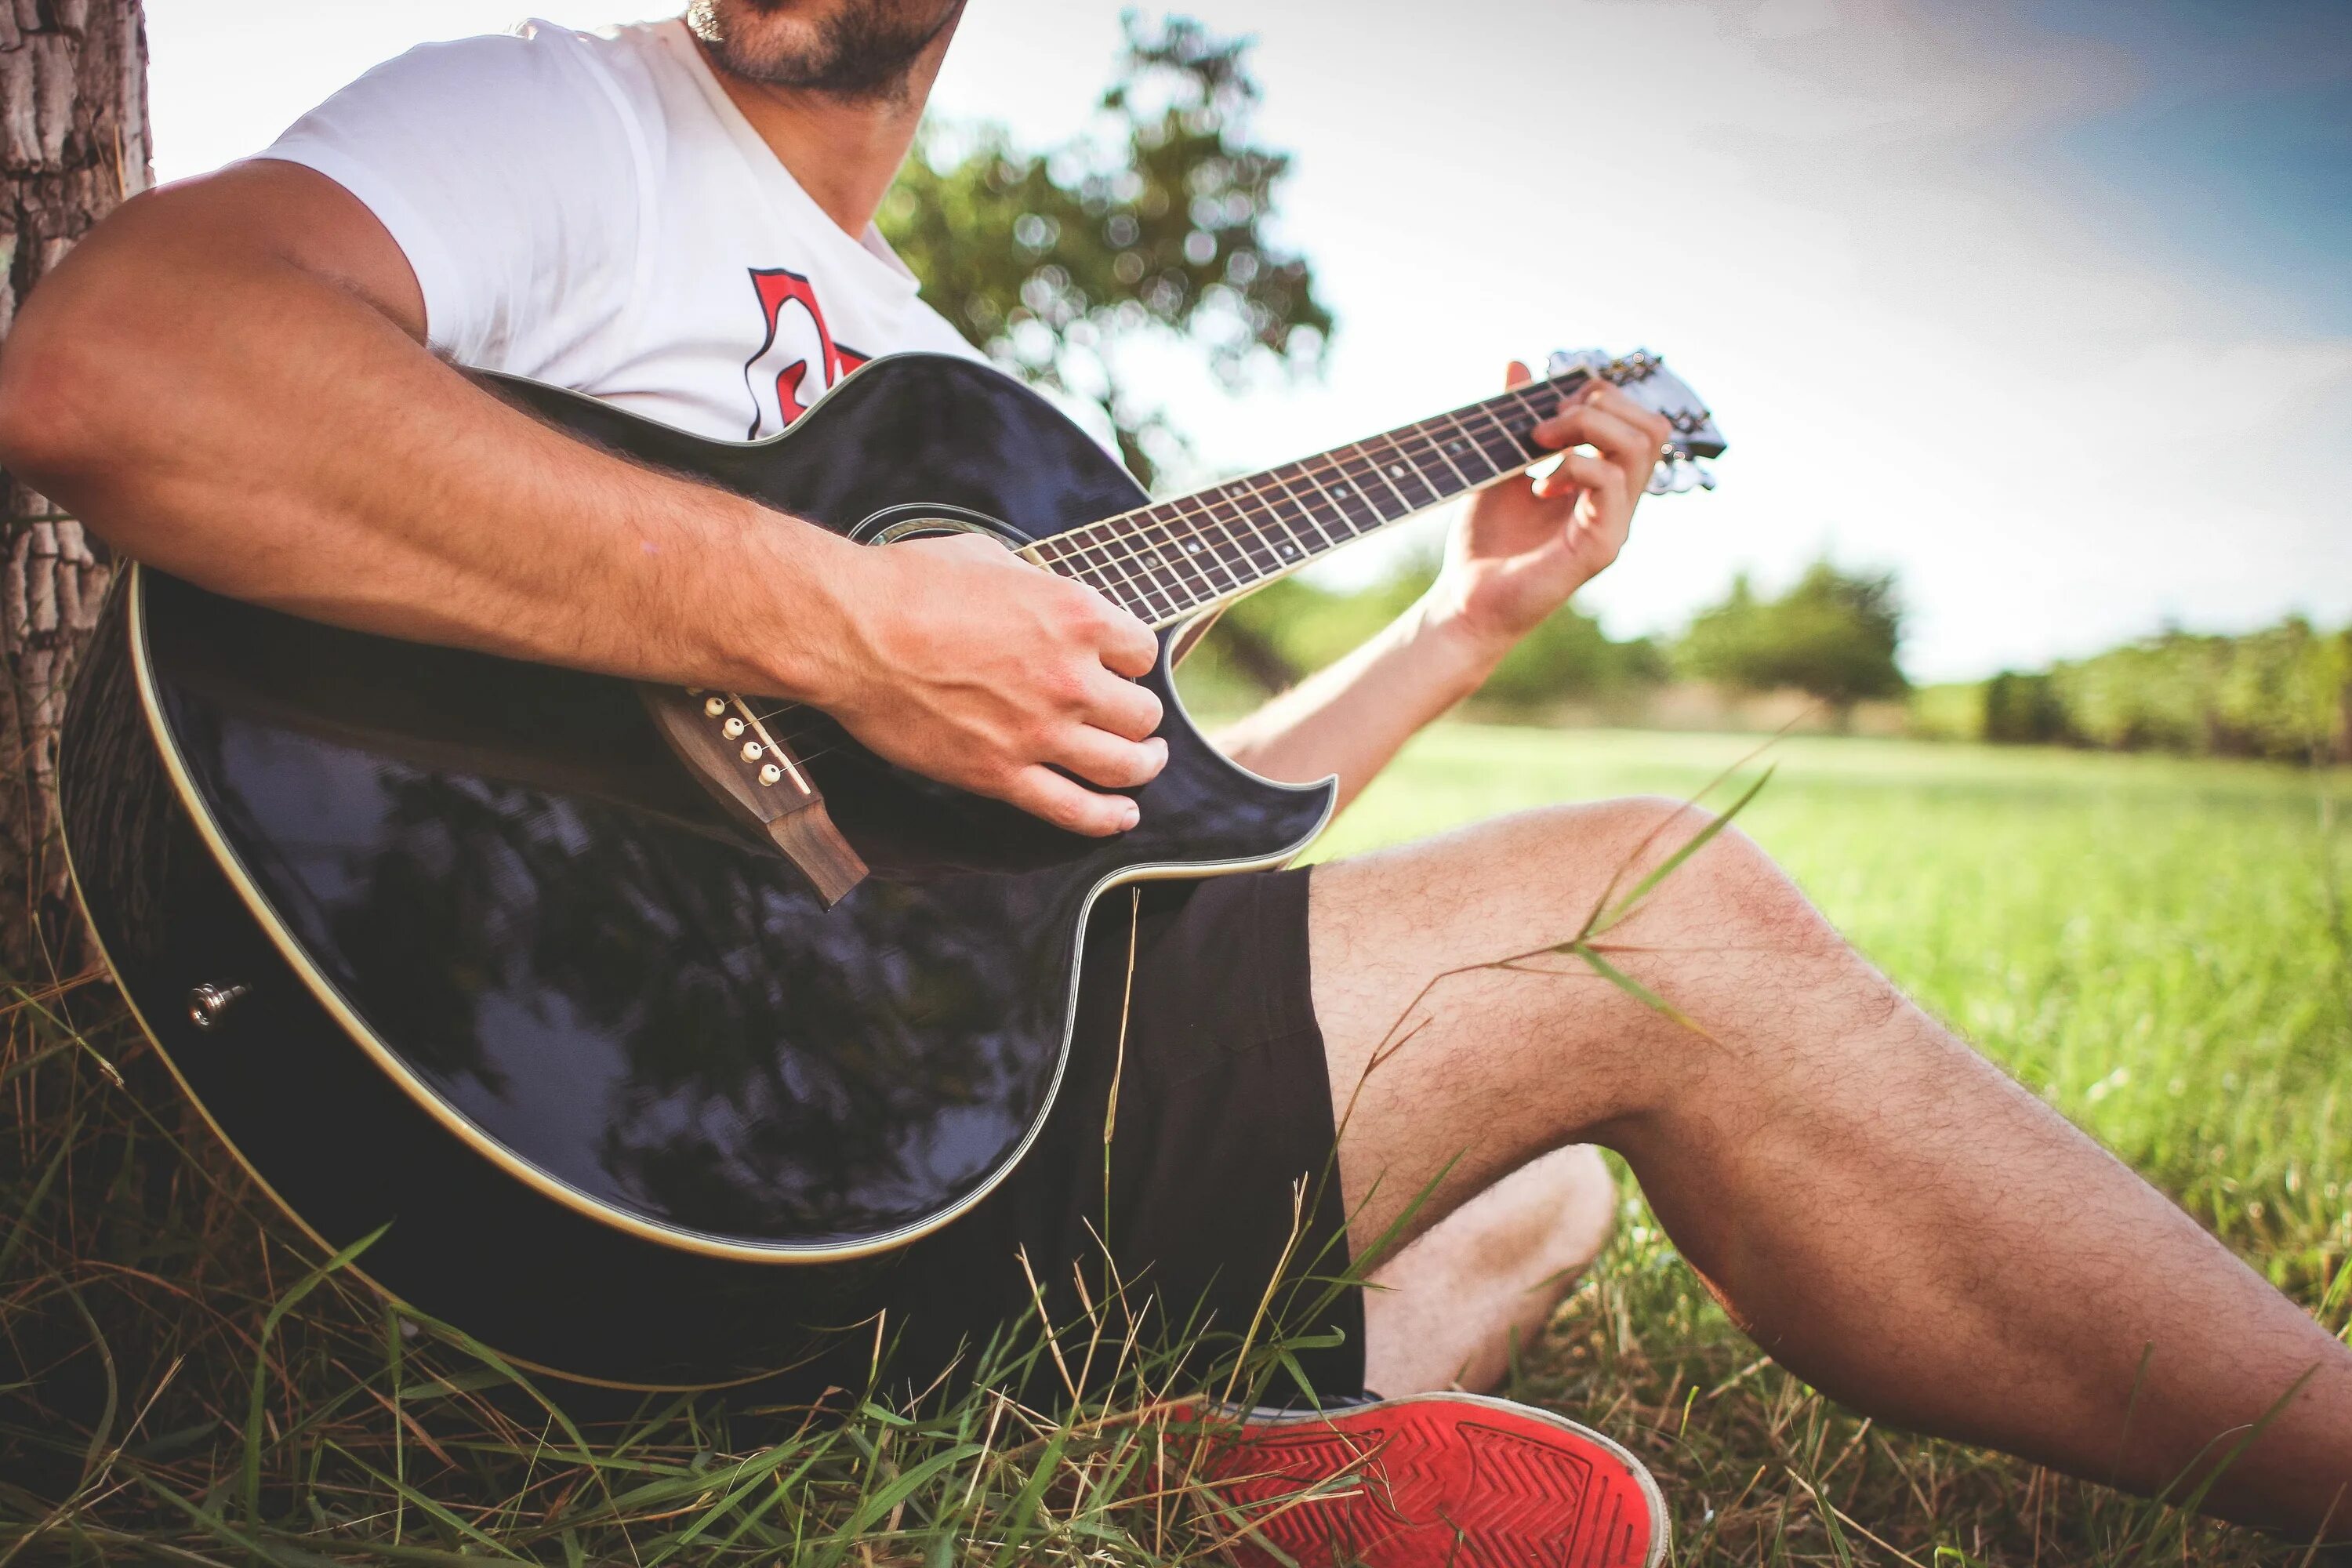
point(2158, 948)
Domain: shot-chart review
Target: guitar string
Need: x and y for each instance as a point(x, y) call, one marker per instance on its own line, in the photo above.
point(1069, 549)
point(1266, 540)
point(1258, 486)
point(1330, 462)
point(1275, 489)
point(1131, 568)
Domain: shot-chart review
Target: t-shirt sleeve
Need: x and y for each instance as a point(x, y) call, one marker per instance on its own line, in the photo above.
point(509, 172)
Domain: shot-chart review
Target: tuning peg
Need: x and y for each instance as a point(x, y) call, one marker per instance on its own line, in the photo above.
point(1705, 475)
point(1662, 477)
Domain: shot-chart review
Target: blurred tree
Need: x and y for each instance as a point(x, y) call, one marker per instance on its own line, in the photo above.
point(2024, 710)
point(1159, 225)
point(1834, 635)
point(73, 146)
point(1272, 638)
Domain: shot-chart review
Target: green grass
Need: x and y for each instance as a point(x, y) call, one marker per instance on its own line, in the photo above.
point(2157, 947)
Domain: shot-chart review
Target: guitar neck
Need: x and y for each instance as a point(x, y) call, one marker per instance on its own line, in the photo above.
point(1177, 559)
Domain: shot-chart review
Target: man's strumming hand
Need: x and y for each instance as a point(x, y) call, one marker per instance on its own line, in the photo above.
point(968, 664)
point(1525, 545)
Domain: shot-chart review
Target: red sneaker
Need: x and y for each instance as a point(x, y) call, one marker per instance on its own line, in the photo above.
point(1435, 1480)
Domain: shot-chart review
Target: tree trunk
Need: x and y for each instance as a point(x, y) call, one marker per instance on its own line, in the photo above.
point(73, 145)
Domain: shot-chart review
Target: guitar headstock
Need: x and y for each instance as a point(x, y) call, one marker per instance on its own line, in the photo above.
point(1645, 378)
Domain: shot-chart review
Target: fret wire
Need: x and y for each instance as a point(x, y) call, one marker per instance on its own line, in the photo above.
point(1408, 470)
point(1285, 548)
point(1495, 427)
point(1365, 500)
point(1338, 513)
point(1247, 537)
point(1199, 589)
point(1536, 415)
point(1406, 477)
point(1448, 446)
point(1160, 556)
point(1374, 464)
point(1146, 557)
point(1103, 554)
point(1093, 567)
point(1340, 505)
point(1240, 552)
point(1306, 511)
point(1190, 545)
point(1433, 445)
point(1122, 592)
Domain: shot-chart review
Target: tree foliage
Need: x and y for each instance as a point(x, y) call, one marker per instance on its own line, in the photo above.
point(2284, 691)
point(1834, 635)
point(1274, 638)
point(1159, 224)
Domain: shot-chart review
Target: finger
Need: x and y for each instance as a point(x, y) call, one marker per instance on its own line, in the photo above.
point(1616, 400)
point(1619, 439)
point(1121, 707)
point(1582, 471)
point(1111, 761)
point(1042, 793)
point(1128, 647)
point(1626, 448)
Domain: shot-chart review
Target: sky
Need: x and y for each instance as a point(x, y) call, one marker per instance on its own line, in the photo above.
point(2044, 305)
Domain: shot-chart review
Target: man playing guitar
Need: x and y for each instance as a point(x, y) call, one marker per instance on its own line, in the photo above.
point(246, 380)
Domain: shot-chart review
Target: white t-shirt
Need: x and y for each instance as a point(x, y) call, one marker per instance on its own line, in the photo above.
point(592, 210)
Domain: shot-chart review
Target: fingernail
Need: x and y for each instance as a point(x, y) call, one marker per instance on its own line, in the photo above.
point(1130, 816)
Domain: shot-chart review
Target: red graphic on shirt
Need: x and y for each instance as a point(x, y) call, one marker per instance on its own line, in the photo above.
point(797, 341)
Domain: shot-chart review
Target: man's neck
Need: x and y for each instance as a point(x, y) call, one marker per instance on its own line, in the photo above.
point(844, 153)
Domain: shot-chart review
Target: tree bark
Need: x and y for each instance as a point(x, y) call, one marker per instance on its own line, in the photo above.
point(73, 146)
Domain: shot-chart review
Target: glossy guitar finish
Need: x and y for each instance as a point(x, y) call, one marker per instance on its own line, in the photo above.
point(512, 983)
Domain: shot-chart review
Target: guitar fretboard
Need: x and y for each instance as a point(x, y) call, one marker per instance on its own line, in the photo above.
point(1172, 559)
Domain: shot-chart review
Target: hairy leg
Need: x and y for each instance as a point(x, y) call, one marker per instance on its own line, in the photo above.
point(1443, 1312)
point(1887, 1214)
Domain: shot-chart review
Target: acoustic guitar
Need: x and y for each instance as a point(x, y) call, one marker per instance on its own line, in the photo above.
point(644, 1018)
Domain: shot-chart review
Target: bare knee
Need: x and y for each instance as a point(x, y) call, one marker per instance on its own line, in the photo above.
point(1673, 867)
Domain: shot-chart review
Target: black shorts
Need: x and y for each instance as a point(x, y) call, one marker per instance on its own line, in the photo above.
point(1223, 1179)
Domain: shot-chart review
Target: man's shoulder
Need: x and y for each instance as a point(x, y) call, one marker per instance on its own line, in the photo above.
point(533, 62)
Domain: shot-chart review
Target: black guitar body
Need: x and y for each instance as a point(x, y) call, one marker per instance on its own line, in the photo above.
point(634, 1105)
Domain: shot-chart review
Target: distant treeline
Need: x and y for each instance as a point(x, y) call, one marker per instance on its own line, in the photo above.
point(2283, 692)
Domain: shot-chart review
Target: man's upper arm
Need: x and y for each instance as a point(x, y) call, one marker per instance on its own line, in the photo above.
point(298, 215)
point(81, 352)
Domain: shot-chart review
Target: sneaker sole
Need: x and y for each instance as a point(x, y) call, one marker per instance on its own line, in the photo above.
point(1448, 1480)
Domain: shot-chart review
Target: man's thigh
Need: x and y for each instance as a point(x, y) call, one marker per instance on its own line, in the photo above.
point(1464, 1040)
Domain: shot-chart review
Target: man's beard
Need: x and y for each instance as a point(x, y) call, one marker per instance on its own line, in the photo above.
point(865, 51)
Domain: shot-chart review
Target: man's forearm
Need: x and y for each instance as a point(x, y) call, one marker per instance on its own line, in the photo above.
point(241, 421)
point(1349, 718)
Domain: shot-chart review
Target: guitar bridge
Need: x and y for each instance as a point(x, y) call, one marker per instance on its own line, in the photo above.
point(758, 779)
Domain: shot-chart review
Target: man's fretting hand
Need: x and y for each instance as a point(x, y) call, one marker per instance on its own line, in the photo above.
point(976, 668)
point(1525, 545)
